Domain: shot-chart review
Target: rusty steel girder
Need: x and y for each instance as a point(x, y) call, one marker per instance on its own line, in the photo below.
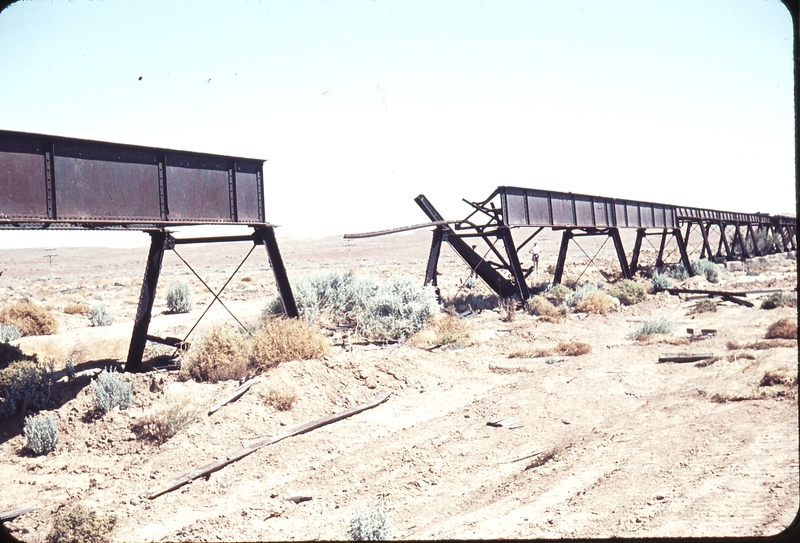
point(69, 182)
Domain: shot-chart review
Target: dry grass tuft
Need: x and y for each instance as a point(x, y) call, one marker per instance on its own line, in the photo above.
point(782, 329)
point(515, 369)
point(219, 355)
point(575, 348)
point(724, 398)
point(508, 309)
point(564, 348)
point(281, 397)
point(596, 302)
point(281, 340)
point(164, 424)
point(31, 319)
point(542, 459)
point(772, 378)
point(704, 306)
point(445, 330)
point(761, 345)
point(76, 309)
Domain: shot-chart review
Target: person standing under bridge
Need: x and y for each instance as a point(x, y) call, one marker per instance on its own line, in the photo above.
point(534, 251)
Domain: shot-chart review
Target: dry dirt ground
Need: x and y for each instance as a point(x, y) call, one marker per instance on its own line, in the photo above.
point(630, 447)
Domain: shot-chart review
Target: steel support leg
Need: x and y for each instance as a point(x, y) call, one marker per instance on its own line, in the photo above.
point(433, 257)
point(706, 250)
point(146, 298)
point(267, 235)
point(623, 260)
point(660, 257)
point(637, 246)
point(516, 268)
point(682, 249)
point(562, 256)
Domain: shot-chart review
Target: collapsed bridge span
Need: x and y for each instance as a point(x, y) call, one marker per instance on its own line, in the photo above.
point(738, 235)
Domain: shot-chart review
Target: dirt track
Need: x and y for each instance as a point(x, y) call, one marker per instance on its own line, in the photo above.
point(634, 448)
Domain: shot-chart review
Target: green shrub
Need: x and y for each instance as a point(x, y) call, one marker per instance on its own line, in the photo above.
point(9, 333)
point(25, 381)
point(649, 327)
point(629, 292)
point(661, 282)
point(111, 390)
point(773, 301)
point(101, 315)
point(369, 524)
point(179, 297)
point(79, 524)
point(378, 311)
point(41, 433)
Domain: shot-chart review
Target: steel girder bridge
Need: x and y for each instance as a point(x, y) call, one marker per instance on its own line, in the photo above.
point(737, 235)
point(50, 182)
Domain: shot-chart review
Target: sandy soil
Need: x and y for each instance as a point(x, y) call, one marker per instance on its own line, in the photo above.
point(630, 447)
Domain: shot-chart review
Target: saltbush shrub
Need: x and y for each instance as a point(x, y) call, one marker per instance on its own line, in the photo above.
point(661, 282)
point(179, 297)
point(678, 272)
point(378, 311)
point(79, 524)
point(101, 315)
point(111, 390)
point(369, 524)
point(580, 293)
point(707, 268)
point(9, 333)
point(474, 301)
point(629, 292)
point(558, 294)
point(25, 381)
point(41, 433)
point(773, 301)
point(649, 327)
point(29, 318)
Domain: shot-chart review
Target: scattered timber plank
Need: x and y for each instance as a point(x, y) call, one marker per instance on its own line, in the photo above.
point(507, 422)
point(736, 300)
point(523, 456)
point(241, 453)
point(14, 513)
point(675, 291)
point(298, 499)
point(244, 387)
point(684, 357)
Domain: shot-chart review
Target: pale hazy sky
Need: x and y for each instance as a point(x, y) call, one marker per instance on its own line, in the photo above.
point(359, 106)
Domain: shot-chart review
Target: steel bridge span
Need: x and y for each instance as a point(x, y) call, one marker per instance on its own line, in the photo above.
point(737, 235)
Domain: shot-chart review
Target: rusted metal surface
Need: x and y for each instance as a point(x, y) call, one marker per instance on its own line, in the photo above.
point(55, 181)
